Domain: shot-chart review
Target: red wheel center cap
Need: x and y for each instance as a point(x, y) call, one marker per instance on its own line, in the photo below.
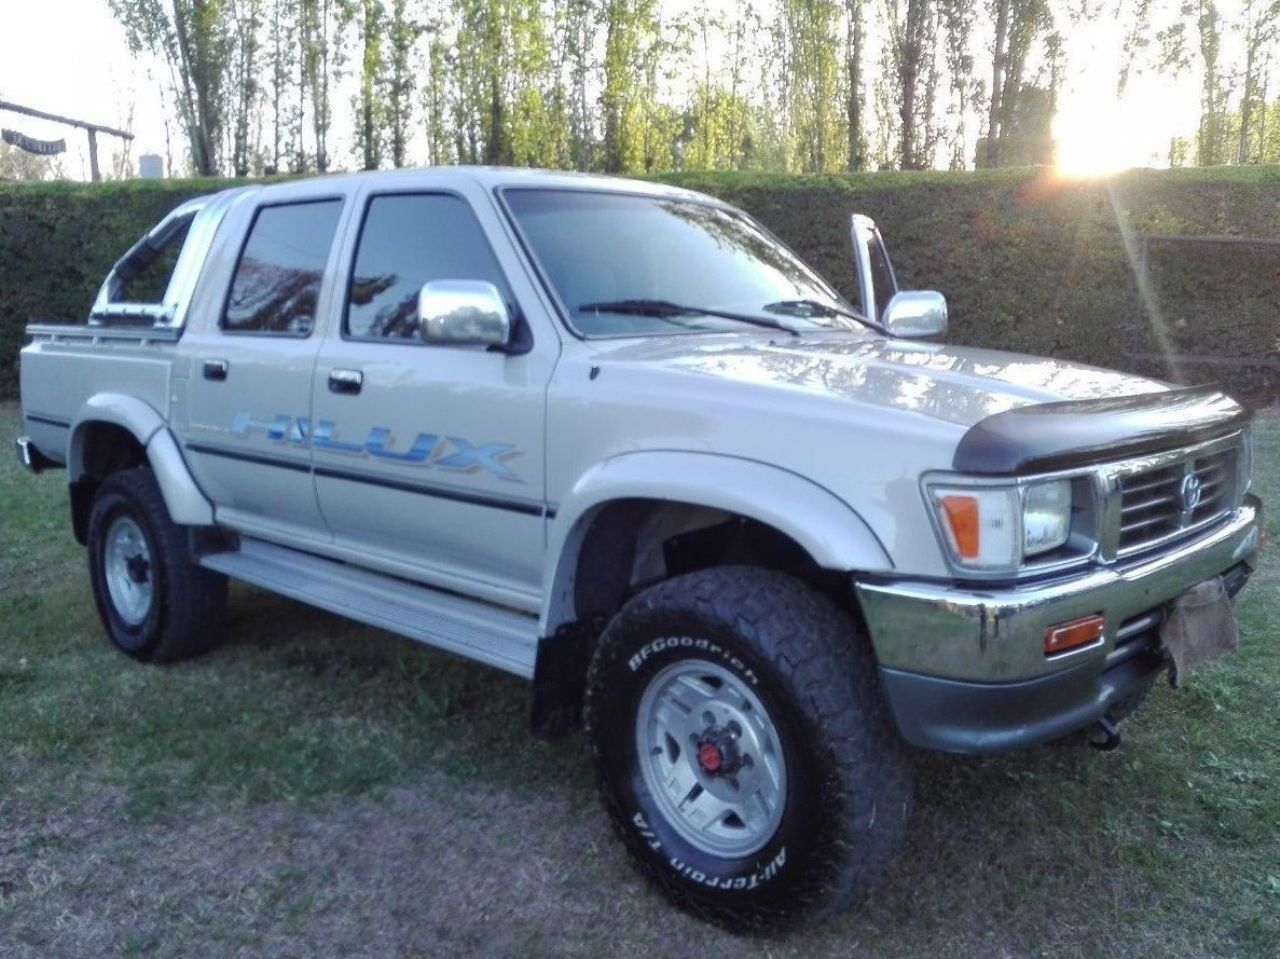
point(709, 757)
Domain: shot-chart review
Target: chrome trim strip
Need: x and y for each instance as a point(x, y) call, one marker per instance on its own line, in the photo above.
point(47, 421)
point(94, 334)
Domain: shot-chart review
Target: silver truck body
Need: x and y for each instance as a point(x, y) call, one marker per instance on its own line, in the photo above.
point(825, 438)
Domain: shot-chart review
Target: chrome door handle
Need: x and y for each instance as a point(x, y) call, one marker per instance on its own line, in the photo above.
point(216, 369)
point(345, 381)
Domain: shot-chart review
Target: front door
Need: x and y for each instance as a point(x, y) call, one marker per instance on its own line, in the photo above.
point(429, 458)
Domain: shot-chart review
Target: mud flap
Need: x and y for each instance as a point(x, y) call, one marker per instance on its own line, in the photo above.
point(1200, 625)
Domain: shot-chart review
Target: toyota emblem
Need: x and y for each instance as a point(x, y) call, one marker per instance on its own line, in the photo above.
point(1190, 492)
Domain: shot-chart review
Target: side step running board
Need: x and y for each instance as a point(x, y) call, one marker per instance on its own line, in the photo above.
point(490, 634)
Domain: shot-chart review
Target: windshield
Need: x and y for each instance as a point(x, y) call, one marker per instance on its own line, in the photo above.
point(627, 265)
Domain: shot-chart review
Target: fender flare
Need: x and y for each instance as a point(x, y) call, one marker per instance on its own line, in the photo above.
point(187, 505)
point(824, 525)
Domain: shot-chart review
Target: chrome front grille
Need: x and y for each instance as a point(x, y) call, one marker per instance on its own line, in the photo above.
point(1172, 498)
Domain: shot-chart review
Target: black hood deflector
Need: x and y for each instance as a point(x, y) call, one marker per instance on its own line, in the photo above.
point(1052, 436)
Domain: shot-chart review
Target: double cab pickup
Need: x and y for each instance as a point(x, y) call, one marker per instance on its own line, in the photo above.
point(760, 539)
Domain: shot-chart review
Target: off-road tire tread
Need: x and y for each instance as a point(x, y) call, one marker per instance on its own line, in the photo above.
point(818, 652)
point(193, 600)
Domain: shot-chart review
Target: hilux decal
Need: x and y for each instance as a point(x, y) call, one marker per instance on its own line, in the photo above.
point(453, 453)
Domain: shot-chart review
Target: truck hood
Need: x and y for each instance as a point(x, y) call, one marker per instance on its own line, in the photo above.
point(959, 385)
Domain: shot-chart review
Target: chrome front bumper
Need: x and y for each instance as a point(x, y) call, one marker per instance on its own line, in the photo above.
point(997, 635)
point(964, 670)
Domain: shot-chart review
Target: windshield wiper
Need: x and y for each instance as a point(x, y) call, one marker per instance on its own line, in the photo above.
point(667, 309)
point(818, 308)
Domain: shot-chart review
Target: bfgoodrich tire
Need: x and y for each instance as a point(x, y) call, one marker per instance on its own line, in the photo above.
point(156, 604)
point(742, 748)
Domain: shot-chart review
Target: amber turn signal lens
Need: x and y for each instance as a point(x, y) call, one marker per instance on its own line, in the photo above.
point(1072, 635)
point(962, 517)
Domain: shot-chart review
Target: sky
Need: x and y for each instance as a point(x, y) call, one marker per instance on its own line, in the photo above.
point(69, 57)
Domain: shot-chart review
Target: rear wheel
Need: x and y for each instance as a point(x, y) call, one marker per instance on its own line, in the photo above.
point(742, 747)
point(155, 602)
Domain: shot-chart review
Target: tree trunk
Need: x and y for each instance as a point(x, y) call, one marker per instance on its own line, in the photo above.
point(854, 104)
point(997, 83)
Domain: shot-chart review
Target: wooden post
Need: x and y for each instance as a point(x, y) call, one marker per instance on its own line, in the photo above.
point(93, 128)
point(94, 172)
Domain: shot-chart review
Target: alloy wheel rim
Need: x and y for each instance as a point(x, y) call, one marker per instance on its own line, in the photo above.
point(711, 757)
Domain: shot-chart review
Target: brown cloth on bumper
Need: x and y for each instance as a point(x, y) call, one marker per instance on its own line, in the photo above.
point(1201, 625)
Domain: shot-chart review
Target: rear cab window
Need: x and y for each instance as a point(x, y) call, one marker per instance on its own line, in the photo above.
point(143, 286)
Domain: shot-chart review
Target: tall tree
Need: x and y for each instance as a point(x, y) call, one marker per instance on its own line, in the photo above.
point(1261, 20)
point(912, 52)
point(192, 37)
point(1000, 12)
point(370, 18)
point(809, 42)
point(501, 75)
point(321, 27)
point(581, 26)
point(1018, 24)
point(855, 90)
point(282, 67)
point(436, 100)
point(631, 48)
point(717, 128)
point(245, 35)
point(400, 80)
point(957, 21)
point(1211, 143)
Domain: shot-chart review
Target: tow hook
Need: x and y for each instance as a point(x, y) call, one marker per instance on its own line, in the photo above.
point(1110, 733)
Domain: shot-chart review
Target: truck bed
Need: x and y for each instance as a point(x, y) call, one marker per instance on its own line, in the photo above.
point(65, 365)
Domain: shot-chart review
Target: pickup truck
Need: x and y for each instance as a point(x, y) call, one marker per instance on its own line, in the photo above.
point(761, 540)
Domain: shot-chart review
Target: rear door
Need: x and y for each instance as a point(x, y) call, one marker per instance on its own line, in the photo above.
point(429, 458)
point(249, 387)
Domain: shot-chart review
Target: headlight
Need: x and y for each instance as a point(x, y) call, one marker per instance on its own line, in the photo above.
point(995, 528)
point(1046, 516)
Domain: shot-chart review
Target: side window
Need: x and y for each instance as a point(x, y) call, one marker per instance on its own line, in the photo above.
point(406, 242)
point(277, 282)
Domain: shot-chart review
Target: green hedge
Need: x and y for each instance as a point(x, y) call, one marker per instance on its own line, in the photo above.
point(1028, 262)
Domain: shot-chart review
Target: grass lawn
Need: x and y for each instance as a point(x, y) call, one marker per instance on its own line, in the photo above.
point(318, 788)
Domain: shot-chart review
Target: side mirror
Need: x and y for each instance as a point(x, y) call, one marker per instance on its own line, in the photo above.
point(463, 313)
point(915, 313)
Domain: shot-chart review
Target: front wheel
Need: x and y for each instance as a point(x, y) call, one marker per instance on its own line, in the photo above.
point(155, 602)
point(742, 747)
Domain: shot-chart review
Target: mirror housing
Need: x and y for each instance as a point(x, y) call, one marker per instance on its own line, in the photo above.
point(915, 313)
point(463, 313)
